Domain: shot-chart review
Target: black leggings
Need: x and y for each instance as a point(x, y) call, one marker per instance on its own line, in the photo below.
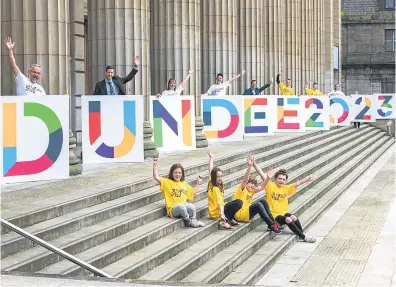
point(262, 208)
point(294, 226)
point(231, 208)
point(356, 124)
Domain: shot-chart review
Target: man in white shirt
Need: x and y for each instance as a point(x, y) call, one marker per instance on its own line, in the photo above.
point(25, 86)
point(218, 89)
point(337, 91)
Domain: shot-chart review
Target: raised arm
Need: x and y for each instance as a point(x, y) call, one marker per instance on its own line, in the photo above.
point(265, 177)
point(306, 87)
point(278, 78)
point(210, 161)
point(155, 170)
point(10, 47)
point(133, 72)
point(237, 76)
point(248, 170)
point(197, 185)
point(186, 78)
point(266, 85)
point(305, 180)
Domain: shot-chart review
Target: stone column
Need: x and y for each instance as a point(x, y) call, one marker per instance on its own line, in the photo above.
point(77, 79)
point(40, 32)
point(219, 42)
point(319, 43)
point(117, 31)
point(175, 49)
point(250, 23)
point(328, 49)
point(307, 44)
point(274, 41)
point(293, 42)
point(337, 38)
point(41, 35)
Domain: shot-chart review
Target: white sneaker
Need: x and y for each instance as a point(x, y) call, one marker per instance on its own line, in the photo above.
point(310, 239)
point(196, 223)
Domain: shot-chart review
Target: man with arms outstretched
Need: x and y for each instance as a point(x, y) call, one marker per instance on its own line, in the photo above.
point(25, 86)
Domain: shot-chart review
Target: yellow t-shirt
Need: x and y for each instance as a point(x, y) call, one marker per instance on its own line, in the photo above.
point(311, 92)
point(277, 197)
point(215, 199)
point(175, 192)
point(246, 196)
point(286, 91)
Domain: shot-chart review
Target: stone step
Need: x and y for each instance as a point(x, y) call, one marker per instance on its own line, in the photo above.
point(51, 229)
point(257, 265)
point(54, 207)
point(248, 251)
point(141, 267)
point(195, 257)
point(23, 262)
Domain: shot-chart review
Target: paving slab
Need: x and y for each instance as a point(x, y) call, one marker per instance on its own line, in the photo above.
point(352, 236)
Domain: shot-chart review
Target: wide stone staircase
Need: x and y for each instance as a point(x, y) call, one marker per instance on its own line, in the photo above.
point(126, 233)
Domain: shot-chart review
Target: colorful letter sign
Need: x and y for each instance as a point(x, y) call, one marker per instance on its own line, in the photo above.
point(363, 109)
point(385, 106)
point(259, 113)
point(112, 129)
point(340, 111)
point(317, 112)
point(290, 116)
point(35, 138)
point(173, 122)
point(221, 116)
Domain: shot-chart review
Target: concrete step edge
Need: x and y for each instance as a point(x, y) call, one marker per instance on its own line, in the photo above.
point(71, 223)
point(85, 201)
point(269, 262)
point(180, 274)
point(133, 270)
point(47, 257)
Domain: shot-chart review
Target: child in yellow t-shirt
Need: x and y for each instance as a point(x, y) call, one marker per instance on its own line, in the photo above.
point(246, 191)
point(277, 194)
point(217, 210)
point(177, 192)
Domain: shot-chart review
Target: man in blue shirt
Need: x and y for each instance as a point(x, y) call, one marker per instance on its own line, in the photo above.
point(113, 85)
point(254, 90)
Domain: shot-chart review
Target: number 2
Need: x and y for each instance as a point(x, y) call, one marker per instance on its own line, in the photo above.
point(362, 115)
point(311, 122)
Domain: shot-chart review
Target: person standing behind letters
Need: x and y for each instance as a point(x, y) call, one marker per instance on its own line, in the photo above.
point(113, 85)
point(25, 86)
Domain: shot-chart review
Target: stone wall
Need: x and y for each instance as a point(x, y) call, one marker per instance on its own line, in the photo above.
point(367, 67)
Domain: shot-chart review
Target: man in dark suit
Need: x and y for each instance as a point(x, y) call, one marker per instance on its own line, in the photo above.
point(254, 90)
point(113, 85)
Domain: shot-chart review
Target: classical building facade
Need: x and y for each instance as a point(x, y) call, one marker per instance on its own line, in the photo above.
point(369, 43)
point(74, 40)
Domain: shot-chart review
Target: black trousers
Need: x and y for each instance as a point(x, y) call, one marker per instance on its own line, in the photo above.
point(231, 208)
point(294, 226)
point(261, 207)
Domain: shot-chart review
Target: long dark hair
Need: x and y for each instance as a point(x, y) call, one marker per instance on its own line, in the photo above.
point(213, 178)
point(172, 169)
point(171, 79)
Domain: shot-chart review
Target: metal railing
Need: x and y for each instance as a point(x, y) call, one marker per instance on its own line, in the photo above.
point(60, 252)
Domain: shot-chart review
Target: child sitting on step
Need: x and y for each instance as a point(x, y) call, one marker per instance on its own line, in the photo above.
point(177, 192)
point(277, 194)
point(246, 191)
point(217, 210)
